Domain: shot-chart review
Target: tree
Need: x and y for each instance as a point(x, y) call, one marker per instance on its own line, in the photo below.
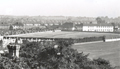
point(100, 20)
point(6, 63)
point(11, 27)
point(102, 63)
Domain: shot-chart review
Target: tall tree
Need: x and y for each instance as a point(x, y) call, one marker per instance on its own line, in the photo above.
point(99, 20)
point(11, 27)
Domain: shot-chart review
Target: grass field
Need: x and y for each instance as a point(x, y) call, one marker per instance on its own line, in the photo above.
point(107, 50)
point(66, 35)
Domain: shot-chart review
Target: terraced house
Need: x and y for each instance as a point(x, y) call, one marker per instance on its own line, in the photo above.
point(4, 26)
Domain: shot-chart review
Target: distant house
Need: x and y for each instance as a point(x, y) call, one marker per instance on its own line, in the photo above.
point(98, 27)
point(116, 27)
point(33, 25)
point(4, 26)
point(17, 25)
point(28, 25)
point(68, 26)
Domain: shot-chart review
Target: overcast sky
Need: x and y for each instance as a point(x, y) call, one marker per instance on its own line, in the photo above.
point(88, 8)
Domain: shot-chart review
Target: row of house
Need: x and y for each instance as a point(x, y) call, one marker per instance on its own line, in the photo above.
point(104, 27)
point(18, 25)
point(31, 25)
point(14, 26)
point(4, 26)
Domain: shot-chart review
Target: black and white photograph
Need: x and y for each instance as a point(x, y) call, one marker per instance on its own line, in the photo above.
point(59, 34)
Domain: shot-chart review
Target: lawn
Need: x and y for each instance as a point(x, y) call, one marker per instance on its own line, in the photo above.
point(66, 35)
point(107, 50)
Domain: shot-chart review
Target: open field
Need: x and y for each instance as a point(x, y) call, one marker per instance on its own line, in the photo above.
point(107, 50)
point(62, 34)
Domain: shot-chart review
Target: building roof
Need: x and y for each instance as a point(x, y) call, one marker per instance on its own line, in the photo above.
point(105, 24)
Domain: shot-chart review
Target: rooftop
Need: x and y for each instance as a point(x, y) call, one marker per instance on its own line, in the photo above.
point(103, 24)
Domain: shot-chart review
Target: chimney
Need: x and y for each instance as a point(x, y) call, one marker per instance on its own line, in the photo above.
point(14, 49)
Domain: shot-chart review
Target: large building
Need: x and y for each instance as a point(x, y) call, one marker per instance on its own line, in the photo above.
point(98, 27)
point(103, 27)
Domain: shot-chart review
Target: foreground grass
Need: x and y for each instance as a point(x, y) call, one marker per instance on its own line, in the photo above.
point(107, 50)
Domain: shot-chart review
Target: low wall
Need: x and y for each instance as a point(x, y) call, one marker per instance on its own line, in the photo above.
point(89, 39)
point(109, 40)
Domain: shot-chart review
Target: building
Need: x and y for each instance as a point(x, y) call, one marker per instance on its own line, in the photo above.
point(17, 25)
point(98, 27)
point(116, 27)
point(79, 27)
point(33, 25)
point(4, 26)
point(89, 27)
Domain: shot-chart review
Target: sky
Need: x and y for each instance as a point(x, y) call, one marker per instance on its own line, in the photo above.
point(83, 8)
